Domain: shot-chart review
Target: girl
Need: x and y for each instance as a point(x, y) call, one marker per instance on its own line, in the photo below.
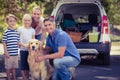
point(26, 33)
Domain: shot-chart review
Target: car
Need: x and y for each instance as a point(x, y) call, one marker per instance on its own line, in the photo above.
point(89, 18)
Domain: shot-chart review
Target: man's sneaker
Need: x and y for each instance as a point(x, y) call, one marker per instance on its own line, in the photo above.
point(72, 71)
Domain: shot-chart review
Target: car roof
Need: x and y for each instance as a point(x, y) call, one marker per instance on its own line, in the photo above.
point(64, 1)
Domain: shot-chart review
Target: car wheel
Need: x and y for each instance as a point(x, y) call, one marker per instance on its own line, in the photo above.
point(105, 58)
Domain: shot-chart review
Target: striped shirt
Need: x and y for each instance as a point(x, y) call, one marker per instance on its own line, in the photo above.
point(11, 38)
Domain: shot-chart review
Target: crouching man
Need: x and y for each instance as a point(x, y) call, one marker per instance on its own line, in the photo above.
point(65, 53)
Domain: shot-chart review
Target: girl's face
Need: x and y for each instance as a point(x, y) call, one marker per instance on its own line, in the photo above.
point(11, 22)
point(27, 22)
point(36, 14)
point(49, 27)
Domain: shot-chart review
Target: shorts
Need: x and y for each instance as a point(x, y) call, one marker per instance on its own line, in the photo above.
point(23, 60)
point(11, 62)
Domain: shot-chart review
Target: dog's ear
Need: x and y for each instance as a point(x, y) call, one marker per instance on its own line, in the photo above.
point(40, 45)
point(28, 45)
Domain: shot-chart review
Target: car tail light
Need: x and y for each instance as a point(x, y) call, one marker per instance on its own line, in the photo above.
point(52, 17)
point(104, 25)
point(105, 29)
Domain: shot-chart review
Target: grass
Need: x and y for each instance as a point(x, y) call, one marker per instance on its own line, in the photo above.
point(115, 38)
point(117, 26)
point(116, 43)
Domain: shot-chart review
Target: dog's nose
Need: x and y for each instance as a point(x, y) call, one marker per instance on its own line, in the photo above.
point(33, 47)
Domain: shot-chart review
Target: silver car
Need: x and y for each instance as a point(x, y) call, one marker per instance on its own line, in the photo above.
point(89, 18)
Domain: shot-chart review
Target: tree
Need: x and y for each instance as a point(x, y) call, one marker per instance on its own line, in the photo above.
point(112, 8)
point(20, 7)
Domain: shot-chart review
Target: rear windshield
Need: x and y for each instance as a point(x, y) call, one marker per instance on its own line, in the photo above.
point(80, 12)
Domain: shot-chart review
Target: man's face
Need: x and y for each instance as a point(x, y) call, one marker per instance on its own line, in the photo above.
point(49, 26)
point(36, 14)
point(11, 22)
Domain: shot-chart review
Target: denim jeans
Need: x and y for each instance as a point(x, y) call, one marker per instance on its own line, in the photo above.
point(38, 36)
point(61, 66)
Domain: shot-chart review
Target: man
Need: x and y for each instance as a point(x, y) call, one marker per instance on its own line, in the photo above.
point(65, 53)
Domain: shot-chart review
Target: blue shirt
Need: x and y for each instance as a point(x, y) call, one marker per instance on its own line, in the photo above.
point(11, 38)
point(60, 39)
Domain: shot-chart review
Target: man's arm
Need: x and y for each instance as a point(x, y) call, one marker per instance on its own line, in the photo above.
point(59, 54)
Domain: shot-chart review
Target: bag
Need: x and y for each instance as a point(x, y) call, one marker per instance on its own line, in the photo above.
point(75, 36)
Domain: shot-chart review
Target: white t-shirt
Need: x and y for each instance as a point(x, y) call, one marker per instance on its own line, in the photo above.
point(25, 35)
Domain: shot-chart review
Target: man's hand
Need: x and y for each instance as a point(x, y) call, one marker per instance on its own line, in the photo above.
point(39, 58)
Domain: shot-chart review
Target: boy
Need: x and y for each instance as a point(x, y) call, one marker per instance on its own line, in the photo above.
point(10, 43)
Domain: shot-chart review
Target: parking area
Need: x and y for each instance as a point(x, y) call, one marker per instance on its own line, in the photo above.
point(87, 70)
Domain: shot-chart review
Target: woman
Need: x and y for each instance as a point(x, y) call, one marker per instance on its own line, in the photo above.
point(37, 23)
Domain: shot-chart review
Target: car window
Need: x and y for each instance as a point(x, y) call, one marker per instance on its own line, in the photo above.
point(82, 19)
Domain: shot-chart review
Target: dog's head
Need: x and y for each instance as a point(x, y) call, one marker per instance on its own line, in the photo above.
point(35, 44)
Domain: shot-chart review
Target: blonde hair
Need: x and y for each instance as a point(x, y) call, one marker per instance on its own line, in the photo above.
point(27, 16)
point(37, 8)
point(10, 15)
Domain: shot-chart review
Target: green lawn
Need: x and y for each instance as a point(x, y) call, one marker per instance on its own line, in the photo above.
point(116, 43)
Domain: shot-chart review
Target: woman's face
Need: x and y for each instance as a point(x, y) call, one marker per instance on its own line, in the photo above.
point(49, 26)
point(36, 14)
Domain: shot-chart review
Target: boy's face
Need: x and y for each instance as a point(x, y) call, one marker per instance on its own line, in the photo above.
point(11, 22)
point(36, 15)
point(27, 22)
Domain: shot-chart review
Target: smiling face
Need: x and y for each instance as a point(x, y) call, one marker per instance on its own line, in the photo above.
point(11, 22)
point(27, 20)
point(34, 44)
point(36, 14)
point(49, 26)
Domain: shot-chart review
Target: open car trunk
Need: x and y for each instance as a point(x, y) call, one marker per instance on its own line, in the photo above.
point(88, 26)
point(84, 18)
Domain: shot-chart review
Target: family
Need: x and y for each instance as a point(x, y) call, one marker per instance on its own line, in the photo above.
point(64, 53)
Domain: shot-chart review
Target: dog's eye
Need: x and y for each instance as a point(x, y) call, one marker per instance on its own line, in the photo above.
point(36, 43)
point(31, 43)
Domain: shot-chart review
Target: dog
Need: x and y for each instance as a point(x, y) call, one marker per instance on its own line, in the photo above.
point(39, 70)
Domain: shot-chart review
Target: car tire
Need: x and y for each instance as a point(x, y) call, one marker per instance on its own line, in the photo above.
point(105, 58)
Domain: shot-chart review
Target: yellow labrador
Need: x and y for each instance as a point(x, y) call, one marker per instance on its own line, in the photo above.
point(39, 70)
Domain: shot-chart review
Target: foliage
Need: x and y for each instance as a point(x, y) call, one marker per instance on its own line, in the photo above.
point(112, 8)
point(20, 7)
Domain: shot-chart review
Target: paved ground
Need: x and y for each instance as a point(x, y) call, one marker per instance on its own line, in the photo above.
point(83, 71)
